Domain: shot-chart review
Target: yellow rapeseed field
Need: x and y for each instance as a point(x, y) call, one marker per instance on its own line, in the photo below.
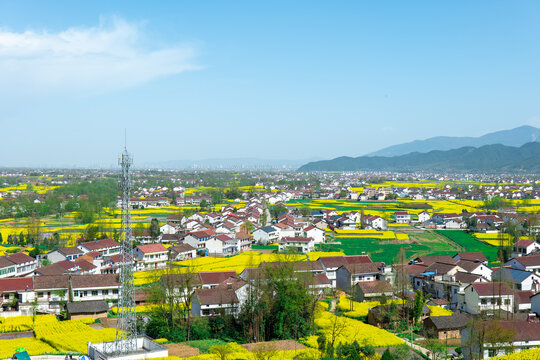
point(439, 311)
point(531, 354)
point(248, 259)
point(352, 330)
point(359, 309)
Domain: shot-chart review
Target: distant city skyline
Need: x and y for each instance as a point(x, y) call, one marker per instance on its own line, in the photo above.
point(276, 80)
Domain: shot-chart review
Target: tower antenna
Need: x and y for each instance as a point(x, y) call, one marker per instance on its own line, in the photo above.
point(126, 327)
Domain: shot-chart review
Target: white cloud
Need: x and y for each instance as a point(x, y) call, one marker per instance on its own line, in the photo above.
point(107, 57)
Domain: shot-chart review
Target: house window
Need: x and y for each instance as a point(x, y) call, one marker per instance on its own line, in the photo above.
point(115, 291)
point(94, 292)
point(105, 292)
point(506, 301)
point(483, 301)
point(76, 293)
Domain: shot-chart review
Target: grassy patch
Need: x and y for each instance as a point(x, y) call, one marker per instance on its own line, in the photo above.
point(204, 345)
point(469, 243)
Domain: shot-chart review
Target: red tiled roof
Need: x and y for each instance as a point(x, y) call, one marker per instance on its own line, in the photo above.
point(93, 254)
point(333, 261)
point(375, 287)
point(523, 297)
point(491, 289)
point(223, 237)
point(242, 235)
point(524, 243)
point(472, 256)
point(85, 265)
point(152, 248)
point(5, 262)
point(100, 244)
point(524, 330)
point(66, 264)
point(20, 258)
point(358, 259)
point(215, 277)
point(72, 250)
point(16, 284)
point(202, 234)
point(216, 296)
point(428, 260)
point(529, 260)
point(322, 279)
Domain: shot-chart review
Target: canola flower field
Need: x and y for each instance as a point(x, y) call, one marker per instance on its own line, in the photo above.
point(531, 354)
point(236, 351)
point(247, 259)
point(357, 309)
point(352, 330)
point(51, 335)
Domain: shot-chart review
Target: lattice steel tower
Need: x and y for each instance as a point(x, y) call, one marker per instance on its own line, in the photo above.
point(126, 329)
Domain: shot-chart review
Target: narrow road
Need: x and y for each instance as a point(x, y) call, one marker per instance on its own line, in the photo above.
point(268, 217)
point(419, 348)
point(333, 305)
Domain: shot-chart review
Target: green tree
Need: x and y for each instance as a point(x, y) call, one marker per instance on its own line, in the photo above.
point(203, 204)
point(154, 228)
point(387, 355)
point(419, 303)
point(91, 232)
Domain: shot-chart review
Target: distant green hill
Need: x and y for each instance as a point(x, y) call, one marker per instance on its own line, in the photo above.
point(514, 137)
point(489, 158)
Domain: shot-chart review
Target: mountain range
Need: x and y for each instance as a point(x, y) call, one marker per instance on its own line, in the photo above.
point(488, 158)
point(514, 137)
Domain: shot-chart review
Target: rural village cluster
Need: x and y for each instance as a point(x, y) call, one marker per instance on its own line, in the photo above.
point(438, 266)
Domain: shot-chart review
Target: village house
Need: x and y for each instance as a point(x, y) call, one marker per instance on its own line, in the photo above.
point(296, 244)
point(182, 252)
point(224, 299)
point(518, 279)
point(349, 274)
point(525, 335)
point(198, 239)
point(372, 290)
point(211, 279)
point(315, 233)
point(330, 264)
point(529, 263)
point(23, 263)
point(50, 291)
point(446, 327)
point(402, 217)
point(105, 246)
point(266, 235)
point(168, 228)
point(487, 298)
point(93, 308)
point(65, 253)
point(7, 268)
point(375, 222)
point(423, 216)
point(525, 247)
point(151, 256)
point(14, 291)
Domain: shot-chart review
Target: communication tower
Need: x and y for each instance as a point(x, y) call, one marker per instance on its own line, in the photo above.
point(126, 328)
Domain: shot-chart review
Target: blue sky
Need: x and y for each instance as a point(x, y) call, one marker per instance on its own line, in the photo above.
point(275, 80)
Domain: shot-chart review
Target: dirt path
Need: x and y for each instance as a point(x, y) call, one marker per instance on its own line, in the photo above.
point(419, 348)
point(182, 350)
point(333, 305)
